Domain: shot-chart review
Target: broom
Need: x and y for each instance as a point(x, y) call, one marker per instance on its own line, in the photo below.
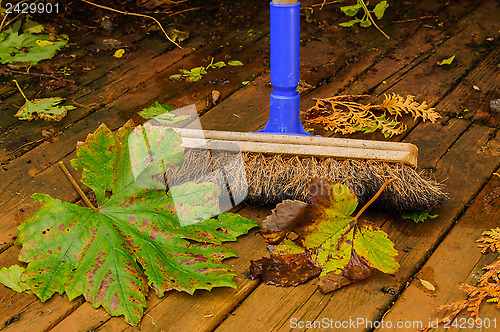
point(278, 162)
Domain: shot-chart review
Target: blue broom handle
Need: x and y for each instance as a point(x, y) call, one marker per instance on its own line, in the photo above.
point(284, 110)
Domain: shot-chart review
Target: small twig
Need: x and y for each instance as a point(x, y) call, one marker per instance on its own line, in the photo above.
point(415, 19)
point(324, 4)
point(371, 18)
point(184, 11)
point(379, 192)
point(77, 187)
point(13, 153)
point(134, 14)
point(16, 72)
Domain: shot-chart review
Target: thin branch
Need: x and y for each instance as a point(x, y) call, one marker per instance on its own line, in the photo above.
point(415, 19)
point(77, 187)
point(16, 72)
point(134, 14)
point(184, 11)
point(379, 192)
point(324, 3)
point(371, 18)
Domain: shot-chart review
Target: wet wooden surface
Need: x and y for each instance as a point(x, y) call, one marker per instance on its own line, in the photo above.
point(462, 149)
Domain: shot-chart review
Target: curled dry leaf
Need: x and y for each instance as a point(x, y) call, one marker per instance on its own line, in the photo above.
point(215, 97)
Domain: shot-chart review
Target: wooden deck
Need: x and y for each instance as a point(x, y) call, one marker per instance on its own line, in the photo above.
point(462, 149)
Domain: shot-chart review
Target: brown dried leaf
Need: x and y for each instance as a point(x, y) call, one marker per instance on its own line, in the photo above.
point(281, 220)
point(289, 270)
point(356, 270)
point(397, 105)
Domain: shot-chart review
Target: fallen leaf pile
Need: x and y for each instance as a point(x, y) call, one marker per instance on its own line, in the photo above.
point(131, 241)
point(322, 238)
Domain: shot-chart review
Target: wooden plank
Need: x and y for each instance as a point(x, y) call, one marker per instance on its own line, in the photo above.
point(99, 87)
point(40, 316)
point(102, 116)
point(471, 98)
point(115, 77)
point(456, 260)
point(83, 319)
point(466, 164)
point(99, 68)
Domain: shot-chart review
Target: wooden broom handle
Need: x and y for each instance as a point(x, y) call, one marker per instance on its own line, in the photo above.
point(285, 2)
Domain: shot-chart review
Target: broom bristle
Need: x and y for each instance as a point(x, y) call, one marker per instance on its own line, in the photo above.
point(274, 178)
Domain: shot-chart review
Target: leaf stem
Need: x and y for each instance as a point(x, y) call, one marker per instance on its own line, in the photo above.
point(379, 192)
point(134, 14)
point(371, 18)
point(3, 20)
point(77, 187)
point(19, 88)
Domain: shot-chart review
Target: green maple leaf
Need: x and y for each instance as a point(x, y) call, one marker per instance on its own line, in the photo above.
point(26, 47)
point(418, 216)
point(155, 110)
point(334, 235)
point(335, 241)
point(132, 240)
point(46, 108)
point(162, 114)
point(11, 277)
